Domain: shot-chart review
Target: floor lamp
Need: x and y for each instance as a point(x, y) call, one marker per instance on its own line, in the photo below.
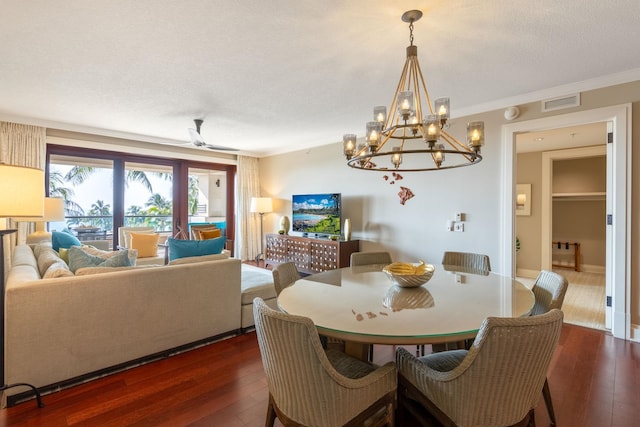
point(22, 195)
point(261, 205)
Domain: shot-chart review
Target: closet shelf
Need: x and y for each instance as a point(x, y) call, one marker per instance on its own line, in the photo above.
point(596, 195)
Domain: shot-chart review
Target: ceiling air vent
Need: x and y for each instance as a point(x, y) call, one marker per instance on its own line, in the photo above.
point(561, 102)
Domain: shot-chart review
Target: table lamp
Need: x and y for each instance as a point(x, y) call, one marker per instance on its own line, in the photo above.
point(53, 212)
point(261, 205)
point(22, 195)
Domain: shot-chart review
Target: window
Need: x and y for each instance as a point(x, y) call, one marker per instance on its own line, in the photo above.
point(104, 190)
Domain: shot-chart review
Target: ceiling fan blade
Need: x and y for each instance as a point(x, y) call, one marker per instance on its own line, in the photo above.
point(198, 141)
point(196, 138)
point(220, 147)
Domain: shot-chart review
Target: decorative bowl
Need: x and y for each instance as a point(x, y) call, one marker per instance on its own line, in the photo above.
point(407, 275)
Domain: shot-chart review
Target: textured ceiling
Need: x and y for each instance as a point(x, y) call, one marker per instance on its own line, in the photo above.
point(275, 76)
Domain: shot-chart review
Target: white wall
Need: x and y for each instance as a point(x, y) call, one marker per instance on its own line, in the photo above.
point(412, 231)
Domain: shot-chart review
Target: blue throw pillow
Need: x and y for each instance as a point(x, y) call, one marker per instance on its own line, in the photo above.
point(64, 240)
point(188, 248)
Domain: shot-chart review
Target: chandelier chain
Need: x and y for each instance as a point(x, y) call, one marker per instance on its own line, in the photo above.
point(411, 34)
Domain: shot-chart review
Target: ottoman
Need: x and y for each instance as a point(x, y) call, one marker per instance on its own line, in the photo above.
point(255, 282)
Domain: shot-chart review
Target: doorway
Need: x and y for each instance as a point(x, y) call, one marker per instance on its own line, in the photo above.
point(568, 235)
point(618, 273)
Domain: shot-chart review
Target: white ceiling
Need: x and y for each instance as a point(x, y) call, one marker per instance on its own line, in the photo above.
point(276, 76)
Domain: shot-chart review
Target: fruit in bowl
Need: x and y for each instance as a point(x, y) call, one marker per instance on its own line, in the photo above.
point(409, 275)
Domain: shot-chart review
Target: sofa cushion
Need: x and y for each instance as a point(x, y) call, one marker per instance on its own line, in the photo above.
point(22, 274)
point(61, 239)
point(57, 269)
point(79, 259)
point(201, 258)
point(188, 248)
point(256, 282)
point(86, 271)
point(23, 255)
point(46, 257)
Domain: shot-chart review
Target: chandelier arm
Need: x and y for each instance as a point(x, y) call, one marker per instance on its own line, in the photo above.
point(454, 142)
point(424, 85)
point(416, 88)
point(458, 146)
point(393, 108)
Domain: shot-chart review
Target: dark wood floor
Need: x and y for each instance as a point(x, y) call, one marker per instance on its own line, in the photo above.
point(594, 380)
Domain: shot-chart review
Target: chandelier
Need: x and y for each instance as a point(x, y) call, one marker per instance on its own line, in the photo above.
point(413, 136)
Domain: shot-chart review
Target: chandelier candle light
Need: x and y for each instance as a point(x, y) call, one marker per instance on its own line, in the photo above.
point(412, 137)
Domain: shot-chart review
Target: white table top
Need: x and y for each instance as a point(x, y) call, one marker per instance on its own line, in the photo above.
point(360, 304)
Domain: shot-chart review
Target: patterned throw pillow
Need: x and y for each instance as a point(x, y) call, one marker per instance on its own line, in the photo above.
point(92, 250)
point(80, 259)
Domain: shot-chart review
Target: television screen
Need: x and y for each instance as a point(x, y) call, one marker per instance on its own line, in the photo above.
point(316, 213)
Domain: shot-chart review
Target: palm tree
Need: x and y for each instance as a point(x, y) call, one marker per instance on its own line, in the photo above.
point(194, 190)
point(135, 213)
point(79, 174)
point(58, 189)
point(103, 211)
point(160, 209)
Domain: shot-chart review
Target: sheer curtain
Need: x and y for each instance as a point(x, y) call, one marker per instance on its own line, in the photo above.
point(248, 224)
point(21, 145)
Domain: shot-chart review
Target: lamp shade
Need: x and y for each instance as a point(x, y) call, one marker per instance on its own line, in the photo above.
point(22, 193)
point(261, 205)
point(53, 211)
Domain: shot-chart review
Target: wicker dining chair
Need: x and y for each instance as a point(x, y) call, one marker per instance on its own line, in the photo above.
point(309, 386)
point(549, 290)
point(368, 258)
point(468, 260)
point(284, 275)
point(496, 382)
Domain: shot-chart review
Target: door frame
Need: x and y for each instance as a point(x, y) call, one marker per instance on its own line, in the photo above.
point(620, 116)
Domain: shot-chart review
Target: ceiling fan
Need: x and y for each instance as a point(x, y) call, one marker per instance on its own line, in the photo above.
point(198, 141)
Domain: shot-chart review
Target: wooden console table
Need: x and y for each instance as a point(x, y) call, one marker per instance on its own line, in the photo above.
point(310, 255)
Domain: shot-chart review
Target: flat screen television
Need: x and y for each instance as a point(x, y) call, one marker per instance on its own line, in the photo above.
point(318, 214)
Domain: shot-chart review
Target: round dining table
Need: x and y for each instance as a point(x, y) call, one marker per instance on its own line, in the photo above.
point(361, 304)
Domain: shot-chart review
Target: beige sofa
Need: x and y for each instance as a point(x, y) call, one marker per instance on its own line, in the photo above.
point(65, 328)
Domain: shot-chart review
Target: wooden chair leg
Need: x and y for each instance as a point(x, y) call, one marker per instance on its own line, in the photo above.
point(271, 414)
point(546, 393)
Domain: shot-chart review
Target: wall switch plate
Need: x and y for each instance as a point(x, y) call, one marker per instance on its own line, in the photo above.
point(459, 216)
point(449, 225)
point(458, 226)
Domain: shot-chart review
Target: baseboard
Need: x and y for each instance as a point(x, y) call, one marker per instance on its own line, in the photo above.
point(529, 274)
point(635, 333)
point(600, 269)
point(584, 268)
